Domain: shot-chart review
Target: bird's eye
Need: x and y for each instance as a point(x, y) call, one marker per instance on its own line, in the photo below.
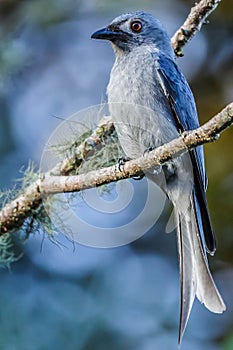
point(136, 26)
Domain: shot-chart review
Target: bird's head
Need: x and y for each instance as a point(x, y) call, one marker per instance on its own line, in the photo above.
point(134, 29)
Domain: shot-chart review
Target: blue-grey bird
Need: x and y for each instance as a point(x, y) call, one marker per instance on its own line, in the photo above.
point(151, 103)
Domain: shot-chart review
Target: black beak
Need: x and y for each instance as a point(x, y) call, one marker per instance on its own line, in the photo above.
point(107, 34)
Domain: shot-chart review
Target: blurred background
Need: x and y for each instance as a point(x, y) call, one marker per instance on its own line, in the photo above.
point(76, 297)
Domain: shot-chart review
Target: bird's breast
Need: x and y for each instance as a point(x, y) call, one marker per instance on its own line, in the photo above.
point(131, 79)
point(138, 105)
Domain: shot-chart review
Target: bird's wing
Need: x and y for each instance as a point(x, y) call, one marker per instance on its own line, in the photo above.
point(183, 110)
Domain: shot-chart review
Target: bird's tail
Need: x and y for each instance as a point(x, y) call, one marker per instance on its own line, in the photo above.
point(195, 276)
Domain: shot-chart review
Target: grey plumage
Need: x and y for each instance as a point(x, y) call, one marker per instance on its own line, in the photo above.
point(151, 103)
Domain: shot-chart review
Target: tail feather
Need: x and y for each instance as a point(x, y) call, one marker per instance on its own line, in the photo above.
point(195, 276)
point(188, 285)
point(207, 292)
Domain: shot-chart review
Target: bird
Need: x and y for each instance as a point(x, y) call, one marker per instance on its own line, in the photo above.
point(151, 104)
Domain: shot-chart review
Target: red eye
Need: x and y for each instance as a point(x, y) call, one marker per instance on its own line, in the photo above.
point(136, 26)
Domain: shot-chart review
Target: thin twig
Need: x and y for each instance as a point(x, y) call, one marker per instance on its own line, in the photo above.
point(193, 23)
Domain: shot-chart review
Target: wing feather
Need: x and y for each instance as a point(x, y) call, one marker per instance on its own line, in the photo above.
point(183, 110)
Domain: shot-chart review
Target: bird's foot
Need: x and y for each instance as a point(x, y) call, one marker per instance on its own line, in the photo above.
point(122, 161)
point(149, 149)
point(138, 177)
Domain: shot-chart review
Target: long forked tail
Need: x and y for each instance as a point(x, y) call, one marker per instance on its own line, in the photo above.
point(195, 276)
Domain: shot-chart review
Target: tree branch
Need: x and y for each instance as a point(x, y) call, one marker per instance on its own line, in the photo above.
point(193, 23)
point(207, 133)
point(16, 212)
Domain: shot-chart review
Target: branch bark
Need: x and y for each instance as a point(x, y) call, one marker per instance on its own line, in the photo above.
point(14, 213)
point(193, 23)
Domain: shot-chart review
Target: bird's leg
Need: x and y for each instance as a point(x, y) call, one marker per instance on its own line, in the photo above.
point(121, 162)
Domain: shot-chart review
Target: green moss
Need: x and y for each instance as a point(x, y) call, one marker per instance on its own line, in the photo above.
point(7, 254)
